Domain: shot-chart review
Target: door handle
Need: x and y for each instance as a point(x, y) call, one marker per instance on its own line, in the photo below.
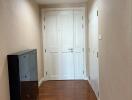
point(71, 49)
point(97, 54)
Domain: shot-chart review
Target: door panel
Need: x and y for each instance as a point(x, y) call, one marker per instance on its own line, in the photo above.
point(53, 63)
point(79, 70)
point(52, 45)
point(51, 35)
point(67, 68)
point(79, 26)
point(66, 22)
point(67, 65)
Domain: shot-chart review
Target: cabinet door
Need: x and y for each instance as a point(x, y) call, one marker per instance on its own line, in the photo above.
point(33, 66)
point(24, 67)
point(29, 90)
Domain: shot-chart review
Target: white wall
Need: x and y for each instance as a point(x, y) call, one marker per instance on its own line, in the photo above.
point(115, 24)
point(19, 30)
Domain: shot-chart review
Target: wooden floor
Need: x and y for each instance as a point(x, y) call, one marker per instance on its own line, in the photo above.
point(66, 90)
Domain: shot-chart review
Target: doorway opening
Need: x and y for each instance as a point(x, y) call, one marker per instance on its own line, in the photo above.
point(64, 43)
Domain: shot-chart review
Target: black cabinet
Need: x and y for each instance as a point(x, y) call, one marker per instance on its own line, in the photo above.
point(23, 76)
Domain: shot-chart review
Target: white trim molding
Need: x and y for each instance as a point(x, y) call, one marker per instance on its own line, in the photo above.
point(40, 82)
point(86, 78)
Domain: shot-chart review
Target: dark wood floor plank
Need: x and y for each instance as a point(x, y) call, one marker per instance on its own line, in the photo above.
point(66, 90)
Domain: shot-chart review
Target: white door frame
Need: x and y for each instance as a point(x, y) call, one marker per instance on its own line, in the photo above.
point(44, 39)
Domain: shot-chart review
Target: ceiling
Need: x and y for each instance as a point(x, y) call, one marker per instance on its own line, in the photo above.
point(59, 1)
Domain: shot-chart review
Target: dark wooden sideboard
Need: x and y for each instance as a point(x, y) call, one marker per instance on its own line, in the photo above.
point(23, 75)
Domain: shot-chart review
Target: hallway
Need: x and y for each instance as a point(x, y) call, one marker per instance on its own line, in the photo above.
point(85, 45)
point(66, 90)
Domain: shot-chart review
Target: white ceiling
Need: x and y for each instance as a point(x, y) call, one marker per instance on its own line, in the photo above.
point(59, 1)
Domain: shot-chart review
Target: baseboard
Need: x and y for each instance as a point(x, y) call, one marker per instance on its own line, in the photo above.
point(98, 97)
point(86, 78)
point(41, 81)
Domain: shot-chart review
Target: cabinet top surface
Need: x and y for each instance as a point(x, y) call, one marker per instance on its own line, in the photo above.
point(24, 52)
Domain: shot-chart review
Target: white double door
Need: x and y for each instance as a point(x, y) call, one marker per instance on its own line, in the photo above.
point(64, 44)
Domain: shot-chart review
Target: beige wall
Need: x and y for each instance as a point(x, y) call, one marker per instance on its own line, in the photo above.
point(115, 57)
point(115, 50)
point(19, 30)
